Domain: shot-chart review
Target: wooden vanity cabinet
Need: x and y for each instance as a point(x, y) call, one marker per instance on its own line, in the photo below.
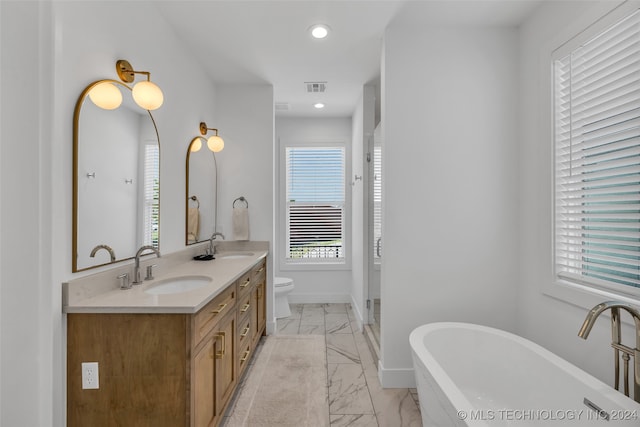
point(164, 370)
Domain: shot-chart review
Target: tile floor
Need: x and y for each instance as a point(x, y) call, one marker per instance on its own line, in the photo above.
point(355, 395)
point(375, 326)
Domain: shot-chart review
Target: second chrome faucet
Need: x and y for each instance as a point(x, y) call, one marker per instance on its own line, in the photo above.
point(136, 270)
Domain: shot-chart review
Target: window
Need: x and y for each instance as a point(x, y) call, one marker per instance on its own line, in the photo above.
point(377, 204)
point(151, 190)
point(597, 159)
point(315, 204)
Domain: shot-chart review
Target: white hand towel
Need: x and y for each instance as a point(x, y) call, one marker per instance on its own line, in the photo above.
point(193, 224)
point(240, 223)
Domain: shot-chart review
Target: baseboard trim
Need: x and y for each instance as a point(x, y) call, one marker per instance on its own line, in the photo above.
point(271, 327)
point(318, 298)
point(396, 378)
point(359, 319)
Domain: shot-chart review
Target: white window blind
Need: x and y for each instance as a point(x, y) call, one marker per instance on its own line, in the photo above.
point(315, 194)
point(151, 194)
point(377, 204)
point(597, 152)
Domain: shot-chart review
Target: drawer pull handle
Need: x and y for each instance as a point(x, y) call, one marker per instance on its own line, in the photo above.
point(220, 355)
point(261, 270)
point(245, 332)
point(245, 308)
point(245, 357)
point(245, 284)
point(220, 308)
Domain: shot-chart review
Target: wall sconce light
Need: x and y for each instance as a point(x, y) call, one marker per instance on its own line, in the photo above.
point(196, 144)
point(146, 93)
point(106, 95)
point(215, 143)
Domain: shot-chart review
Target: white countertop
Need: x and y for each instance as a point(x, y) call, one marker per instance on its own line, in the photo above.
point(222, 272)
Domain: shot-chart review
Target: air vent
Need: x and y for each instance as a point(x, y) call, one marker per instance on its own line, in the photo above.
point(282, 106)
point(316, 87)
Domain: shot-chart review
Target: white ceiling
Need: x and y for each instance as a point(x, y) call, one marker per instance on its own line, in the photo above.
point(266, 41)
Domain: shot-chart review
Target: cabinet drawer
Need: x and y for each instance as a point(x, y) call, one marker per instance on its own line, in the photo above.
point(207, 318)
point(259, 272)
point(245, 305)
point(245, 331)
point(244, 283)
point(244, 356)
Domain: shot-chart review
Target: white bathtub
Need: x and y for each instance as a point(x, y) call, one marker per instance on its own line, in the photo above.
point(472, 375)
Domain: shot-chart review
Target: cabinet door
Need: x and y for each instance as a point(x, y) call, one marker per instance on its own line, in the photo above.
point(225, 357)
point(204, 387)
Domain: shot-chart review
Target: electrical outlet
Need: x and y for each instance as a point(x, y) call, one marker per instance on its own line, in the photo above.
point(90, 377)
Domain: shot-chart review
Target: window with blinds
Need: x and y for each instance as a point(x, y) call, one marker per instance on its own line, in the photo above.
point(377, 204)
point(315, 199)
point(597, 159)
point(151, 189)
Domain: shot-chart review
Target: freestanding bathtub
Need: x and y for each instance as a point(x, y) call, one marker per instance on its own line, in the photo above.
point(472, 375)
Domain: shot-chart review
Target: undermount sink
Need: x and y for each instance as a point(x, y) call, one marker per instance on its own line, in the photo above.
point(234, 255)
point(178, 285)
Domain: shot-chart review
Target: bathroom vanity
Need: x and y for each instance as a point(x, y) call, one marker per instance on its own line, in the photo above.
point(166, 356)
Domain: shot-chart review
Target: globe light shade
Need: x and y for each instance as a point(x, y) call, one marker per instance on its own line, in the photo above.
point(215, 143)
point(106, 96)
point(196, 145)
point(147, 95)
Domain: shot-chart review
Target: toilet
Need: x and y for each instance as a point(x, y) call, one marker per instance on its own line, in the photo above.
point(282, 287)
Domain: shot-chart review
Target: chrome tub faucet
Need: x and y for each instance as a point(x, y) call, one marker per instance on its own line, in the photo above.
point(618, 347)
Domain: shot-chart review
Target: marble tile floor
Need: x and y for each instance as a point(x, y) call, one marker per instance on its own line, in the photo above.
point(355, 395)
point(375, 326)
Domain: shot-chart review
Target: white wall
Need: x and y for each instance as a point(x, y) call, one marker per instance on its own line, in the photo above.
point(50, 52)
point(313, 286)
point(27, 333)
point(245, 121)
point(548, 321)
point(450, 188)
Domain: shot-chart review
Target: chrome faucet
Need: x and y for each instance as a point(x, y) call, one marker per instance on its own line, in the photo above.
point(136, 269)
point(212, 248)
point(106, 248)
point(618, 347)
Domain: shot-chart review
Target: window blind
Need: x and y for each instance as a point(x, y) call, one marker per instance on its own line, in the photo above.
point(597, 152)
point(315, 194)
point(151, 191)
point(377, 204)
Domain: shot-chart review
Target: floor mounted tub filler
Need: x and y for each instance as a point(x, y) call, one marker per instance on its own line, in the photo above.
point(472, 375)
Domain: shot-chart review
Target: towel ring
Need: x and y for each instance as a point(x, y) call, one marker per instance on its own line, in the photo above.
point(195, 199)
point(242, 199)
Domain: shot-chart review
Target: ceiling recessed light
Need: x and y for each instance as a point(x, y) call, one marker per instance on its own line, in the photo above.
point(319, 31)
point(318, 105)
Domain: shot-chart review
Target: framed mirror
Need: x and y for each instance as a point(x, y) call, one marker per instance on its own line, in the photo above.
point(116, 180)
point(201, 192)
